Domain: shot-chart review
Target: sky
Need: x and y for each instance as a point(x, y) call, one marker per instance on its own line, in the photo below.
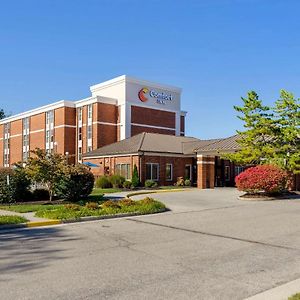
point(215, 50)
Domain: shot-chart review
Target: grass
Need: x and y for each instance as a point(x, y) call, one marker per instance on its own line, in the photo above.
point(8, 220)
point(76, 212)
point(98, 191)
point(24, 208)
point(295, 297)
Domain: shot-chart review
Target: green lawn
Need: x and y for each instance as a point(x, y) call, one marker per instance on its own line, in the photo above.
point(295, 297)
point(97, 191)
point(67, 212)
point(24, 208)
point(8, 220)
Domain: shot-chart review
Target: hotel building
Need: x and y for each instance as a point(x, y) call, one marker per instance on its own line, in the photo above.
point(117, 109)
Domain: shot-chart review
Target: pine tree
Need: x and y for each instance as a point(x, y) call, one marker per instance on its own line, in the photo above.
point(287, 117)
point(135, 177)
point(256, 140)
point(2, 114)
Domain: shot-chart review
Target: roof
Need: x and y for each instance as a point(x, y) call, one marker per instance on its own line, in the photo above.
point(162, 143)
point(229, 144)
point(144, 142)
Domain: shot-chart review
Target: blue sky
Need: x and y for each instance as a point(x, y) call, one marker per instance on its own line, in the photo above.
point(215, 50)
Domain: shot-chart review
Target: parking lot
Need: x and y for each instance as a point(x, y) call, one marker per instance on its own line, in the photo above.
point(209, 246)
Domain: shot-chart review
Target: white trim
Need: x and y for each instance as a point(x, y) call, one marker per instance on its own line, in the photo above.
point(37, 111)
point(125, 78)
point(183, 113)
point(95, 99)
point(201, 162)
point(65, 125)
point(105, 123)
point(152, 107)
point(152, 126)
point(15, 135)
point(168, 154)
point(108, 156)
point(36, 131)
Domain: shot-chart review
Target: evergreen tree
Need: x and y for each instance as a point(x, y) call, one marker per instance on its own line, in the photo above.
point(287, 135)
point(255, 140)
point(135, 177)
point(2, 114)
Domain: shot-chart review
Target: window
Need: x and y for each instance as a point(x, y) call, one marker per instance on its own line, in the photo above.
point(152, 171)
point(90, 111)
point(25, 124)
point(188, 172)
point(79, 153)
point(227, 173)
point(238, 170)
point(89, 149)
point(47, 137)
point(123, 170)
point(49, 117)
point(79, 133)
point(89, 132)
point(79, 112)
point(169, 172)
point(6, 145)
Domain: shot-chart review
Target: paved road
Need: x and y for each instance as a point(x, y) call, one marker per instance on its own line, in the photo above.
point(211, 246)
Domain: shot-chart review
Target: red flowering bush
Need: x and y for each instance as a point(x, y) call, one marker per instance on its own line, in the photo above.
point(263, 178)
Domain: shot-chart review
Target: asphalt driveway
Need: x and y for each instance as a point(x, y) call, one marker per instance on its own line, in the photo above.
point(210, 246)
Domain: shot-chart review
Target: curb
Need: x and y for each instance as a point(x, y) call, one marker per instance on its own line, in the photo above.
point(83, 219)
point(282, 292)
point(291, 197)
point(156, 192)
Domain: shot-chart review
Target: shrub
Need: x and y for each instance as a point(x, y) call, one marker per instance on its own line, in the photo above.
point(117, 180)
point(72, 206)
point(187, 182)
point(77, 183)
point(92, 205)
point(127, 184)
point(110, 204)
point(18, 187)
point(135, 177)
point(103, 182)
point(180, 181)
point(127, 202)
point(150, 183)
point(22, 184)
point(147, 200)
point(263, 178)
point(40, 194)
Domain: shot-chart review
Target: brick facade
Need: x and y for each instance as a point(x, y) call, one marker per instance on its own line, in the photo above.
point(152, 117)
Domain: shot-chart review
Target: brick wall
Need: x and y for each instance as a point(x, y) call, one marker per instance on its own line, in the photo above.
point(1, 145)
point(139, 129)
point(108, 164)
point(154, 117)
point(205, 172)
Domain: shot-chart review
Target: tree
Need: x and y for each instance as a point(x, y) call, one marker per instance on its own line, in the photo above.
point(271, 135)
point(77, 183)
point(135, 180)
point(47, 169)
point(255, 140)
point(2, 114)
point(287, 146)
